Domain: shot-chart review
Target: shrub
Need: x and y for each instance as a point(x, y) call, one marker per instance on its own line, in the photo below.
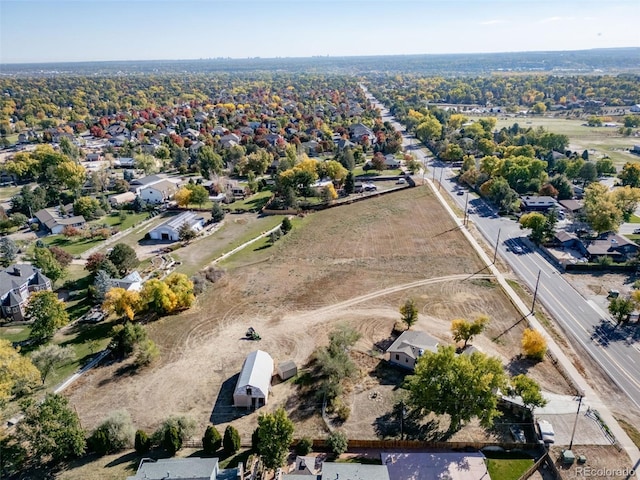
point(338, 442)
point(171, 440)
point(286, 226)
point(114, 434)
point(231, 440)
point(534, 345)
point(303, 447)
point(211, 441)
point(184, 425)
point(142, 442)
point(99, 442)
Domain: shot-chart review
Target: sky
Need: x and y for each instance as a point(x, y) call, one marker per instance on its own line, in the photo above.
point(98, 30)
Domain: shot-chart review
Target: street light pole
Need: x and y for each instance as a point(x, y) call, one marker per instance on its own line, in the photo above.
point(495, 252)
point(466, 213)
point(535, 293)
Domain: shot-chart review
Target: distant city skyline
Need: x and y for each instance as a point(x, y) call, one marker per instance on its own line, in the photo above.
point(41, 31)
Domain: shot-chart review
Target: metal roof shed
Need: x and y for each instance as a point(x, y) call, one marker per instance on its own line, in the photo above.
point(252, 389)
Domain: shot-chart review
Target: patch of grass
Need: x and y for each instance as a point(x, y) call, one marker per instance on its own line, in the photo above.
point(8, 192)
point(15, 333)
point(360, 172)
point(508, 469)
point(253, 203)
point(634, 218)
point(113, 220)
point(233, 460)
point(633, 432)
point(74, 246)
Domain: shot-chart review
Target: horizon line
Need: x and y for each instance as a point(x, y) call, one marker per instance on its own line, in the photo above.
point(56, 62)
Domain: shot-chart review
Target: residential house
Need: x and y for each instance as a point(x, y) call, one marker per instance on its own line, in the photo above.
point(252, 388)
point(123, 162)
point(344, 143)
point(94, 157)
point(409, 347)
point(391, 162)
point(121, 198)
point(170, 230)
point(137, 184)
point(131, 283)
point(16, 283)
point(358, 130)
point(158, 192)
point(435, 465)
point(353, 471)
point(573, 207)
point(569, 241)
point(534, 203)
point(612, 245)
point(191, 468)
point(229, 140)
point(55, 219)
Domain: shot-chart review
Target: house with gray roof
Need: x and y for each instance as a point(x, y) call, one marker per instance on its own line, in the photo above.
point(55, 219)
point(534, 203)
point(17, 282)
point(612, 245)
point(409, 347)
point(170, 230)
point(252, 388)
point(192, 468)
point(353, 471)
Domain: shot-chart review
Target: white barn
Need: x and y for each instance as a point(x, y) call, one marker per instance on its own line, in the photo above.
point(159, 192)
point(252, 389)
point(170, 230)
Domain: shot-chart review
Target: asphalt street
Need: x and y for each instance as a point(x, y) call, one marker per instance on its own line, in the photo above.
point(616, 349)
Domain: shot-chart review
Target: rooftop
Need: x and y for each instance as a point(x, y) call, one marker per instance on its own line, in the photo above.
point(413, 343)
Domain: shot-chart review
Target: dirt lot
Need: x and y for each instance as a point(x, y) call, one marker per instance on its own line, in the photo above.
point(352, 264)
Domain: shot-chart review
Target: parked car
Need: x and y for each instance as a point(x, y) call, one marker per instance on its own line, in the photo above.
point(636, 231)
point(401, 181)
point(545, 429)
point(518, 434)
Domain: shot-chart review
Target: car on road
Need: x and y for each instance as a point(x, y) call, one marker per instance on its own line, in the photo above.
point(517, 249)
point(545, 430)
point(401, 181)
point(636, 231)
point(460, 192)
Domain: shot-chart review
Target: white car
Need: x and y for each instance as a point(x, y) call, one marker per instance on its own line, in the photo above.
point(517, 249)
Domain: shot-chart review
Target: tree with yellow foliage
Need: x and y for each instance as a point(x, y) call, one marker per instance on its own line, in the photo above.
point(534, 345)
point(158, 297)
point(17, 374)
point(329, 193)
point(122, 302)
point(463, 330)
point(182, 197)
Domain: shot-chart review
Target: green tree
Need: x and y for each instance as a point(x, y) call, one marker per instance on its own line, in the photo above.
point(562, 184)
point(124, 258)
point(115, 433)
point(529, 390)
point(145, 162)
point(51, 429)
point(621, 308)
point(537, 222)
point(8, 251)
point(209, 162)
point(231, 440)
point(588, 172)
point(217, 213)
point(17, 374)
point(304, 446)
point(48, 357)
point(275, 434)
point(47, 263)
point(349, 184)
point(463, 330)
point(462, 386)
point(88, 207)
point(430, 129)
point(211, 441)
point(286, 225)
point(171, 440)
point(126, 338)
point(101, 285)
point(199, 194)
point(47, 315)
point(601, 211)
point(147, 353)
point(184, 426)
point(605, 166)
point(409, 312)
point(186, 233)
point(142, 442)
point(338, 442)
point(630, 174)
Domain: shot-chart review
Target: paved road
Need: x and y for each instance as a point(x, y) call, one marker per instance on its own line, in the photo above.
point(617, 350)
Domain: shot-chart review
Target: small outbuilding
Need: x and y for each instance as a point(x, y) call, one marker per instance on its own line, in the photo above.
point(252, 389)
point(287, 370)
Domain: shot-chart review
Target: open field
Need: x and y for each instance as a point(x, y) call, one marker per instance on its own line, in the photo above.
point(604, 140)
point(353, 264)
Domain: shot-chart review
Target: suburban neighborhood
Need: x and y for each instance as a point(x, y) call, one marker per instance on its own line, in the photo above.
point(309, 276)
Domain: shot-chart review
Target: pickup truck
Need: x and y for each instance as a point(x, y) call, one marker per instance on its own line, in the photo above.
point(545, 429)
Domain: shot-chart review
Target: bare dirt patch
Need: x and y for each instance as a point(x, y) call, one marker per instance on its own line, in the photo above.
point(352, 264)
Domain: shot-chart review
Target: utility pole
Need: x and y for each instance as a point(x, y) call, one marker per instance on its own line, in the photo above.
point(495, 252)
point(440, 181)
point(535, 293)
point(575, 423)
point(466, 213)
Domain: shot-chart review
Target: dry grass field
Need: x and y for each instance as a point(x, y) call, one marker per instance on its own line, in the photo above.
point(354, 264)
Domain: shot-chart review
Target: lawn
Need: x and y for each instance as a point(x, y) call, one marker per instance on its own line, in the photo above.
point(14, 333)
point(253, 203)
point(7, 193)
point(74, 246)
point(634, 219)
point(113, 220)
point(508, 468)
point(360, 172)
